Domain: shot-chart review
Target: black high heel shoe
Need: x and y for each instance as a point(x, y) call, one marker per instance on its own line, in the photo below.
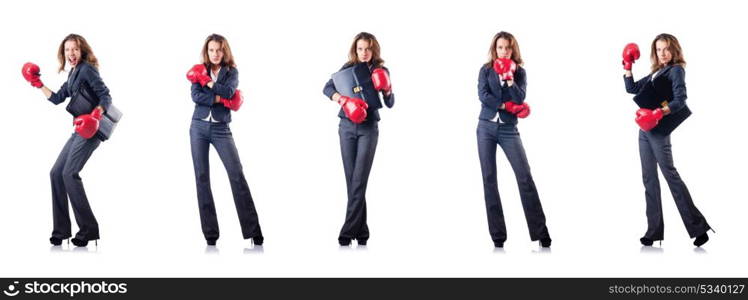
point(344, 241)
point(545, 242)
point(258, 240)
point(56, 241)
point(211, 242)
point(646, 241)
point(83, 243)
point(701, 240)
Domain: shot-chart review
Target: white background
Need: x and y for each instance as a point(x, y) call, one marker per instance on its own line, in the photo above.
point(425, 198)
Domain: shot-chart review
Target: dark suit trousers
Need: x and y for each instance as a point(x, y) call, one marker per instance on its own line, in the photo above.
point(67, 183)
point(358, 142)
point(202, 134)
point(491, 134)
point(655, 149)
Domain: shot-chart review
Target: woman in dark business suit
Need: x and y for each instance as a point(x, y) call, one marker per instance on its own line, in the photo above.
point(654, 141)
point(66, 181)
point(501, 90)
point(215, 93)
point(359, 132)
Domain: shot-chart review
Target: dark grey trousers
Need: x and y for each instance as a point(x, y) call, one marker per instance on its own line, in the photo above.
point(358, 143)
point(202, 135)
point(67, 183)
point(491, 134)
point(655, 149)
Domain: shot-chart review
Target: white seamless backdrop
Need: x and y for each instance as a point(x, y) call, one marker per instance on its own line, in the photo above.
point(425, 199)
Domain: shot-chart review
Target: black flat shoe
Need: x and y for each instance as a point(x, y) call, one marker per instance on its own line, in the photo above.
point(258, 240)
point(545, 242)
point(344, 241)
point(701, 240)
point(211, 242)
point(646, 241)
point(499, 244)
point(55, 241)
point(362, 242)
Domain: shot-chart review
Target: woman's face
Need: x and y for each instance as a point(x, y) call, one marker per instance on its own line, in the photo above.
point(72, 52)
point(503, 50)
point(363, 50)
point(663, 52)
point(215, 52)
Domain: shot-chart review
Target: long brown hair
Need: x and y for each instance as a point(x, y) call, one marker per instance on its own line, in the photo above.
point(516, 56)
point(673, 46)
point(376, 59)
point(87, 54)
point(228, 58)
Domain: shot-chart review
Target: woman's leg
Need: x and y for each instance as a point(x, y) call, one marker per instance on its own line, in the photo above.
point(655, 223)
point(367, 146)
point(60, 214)
point(200, 143)
point(357, 145)
point(348, 150)
point(245, 207)
point(511, 143)
point(693, 219)
point(487, 141)
point(80, 151)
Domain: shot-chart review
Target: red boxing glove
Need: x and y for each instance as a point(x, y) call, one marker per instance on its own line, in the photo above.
point(381, 80)
point(30, 72)
point(497, 66)
point(505, 67)
point(87, 125)
point(630, 55)
point(198, 74)
point(647, 118)
point(354, 108)
point(520, 110)
point(235, 102)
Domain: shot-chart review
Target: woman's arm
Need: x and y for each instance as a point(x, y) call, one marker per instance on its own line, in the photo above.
point(389, 99)
point(631, 86)
point(484, 93)
point(388, 96)
point(678, 78)
point(58, 97)
point(330, 91)
point(46, 91)
point(226, 90)
point(91, 76)
point(517, 90)
point(202, 95)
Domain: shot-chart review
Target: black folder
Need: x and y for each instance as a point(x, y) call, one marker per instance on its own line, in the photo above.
point(84, 101)
point(355, 81)
point(656, 94)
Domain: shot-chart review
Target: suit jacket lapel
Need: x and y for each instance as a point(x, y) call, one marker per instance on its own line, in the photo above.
point(72, 78)
point(221, 74)
point(663, 71)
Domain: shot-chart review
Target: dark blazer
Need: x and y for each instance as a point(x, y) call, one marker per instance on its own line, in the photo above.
point(674, 76)
point(204, 97)
point(669, 85)
point(83, 73)
point(374, 104)
point(492, 94)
